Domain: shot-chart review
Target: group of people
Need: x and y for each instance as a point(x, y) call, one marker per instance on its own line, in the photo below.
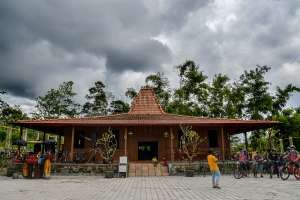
point(271, 157)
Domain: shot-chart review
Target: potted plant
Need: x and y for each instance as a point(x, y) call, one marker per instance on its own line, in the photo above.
point(190, 143)
point(155, 161)
point(108, 146)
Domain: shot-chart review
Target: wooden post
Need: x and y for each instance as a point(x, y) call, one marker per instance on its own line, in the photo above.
point(171, 144)
point(246, 141)
point(59, 143)
point(125, 141)
point(21, 135)
point(38, 136)
point(223, 144)
point(43, 147)
point(72, 144)
point(21, 132)
point(25, 134)
point(281, 146)
point(8, 137)
point(291, 141)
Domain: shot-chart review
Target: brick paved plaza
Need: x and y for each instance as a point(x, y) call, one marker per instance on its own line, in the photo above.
point(167, 188)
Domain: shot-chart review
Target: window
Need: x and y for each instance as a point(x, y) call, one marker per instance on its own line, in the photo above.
point(213, 138)
point(116, 132)
point(79, 139)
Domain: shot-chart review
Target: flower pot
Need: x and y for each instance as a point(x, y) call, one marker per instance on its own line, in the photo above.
point(189, 172)
point(109, 174)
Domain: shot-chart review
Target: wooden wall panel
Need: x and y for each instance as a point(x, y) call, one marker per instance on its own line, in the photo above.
point(150, 134)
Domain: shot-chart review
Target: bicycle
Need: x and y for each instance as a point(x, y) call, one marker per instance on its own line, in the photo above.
point(289, 169)
point(241, 170)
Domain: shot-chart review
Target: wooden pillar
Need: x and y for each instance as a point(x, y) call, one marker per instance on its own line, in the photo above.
point(8, 137)
point(246, 140)
point(43, 147)
point(21, 132)
point(125, 141)
point(171, 144)
point(59, 143)
point(21, 135)
point(72, 144)
point(223, 143)
point(25, 134)
point(38, 136)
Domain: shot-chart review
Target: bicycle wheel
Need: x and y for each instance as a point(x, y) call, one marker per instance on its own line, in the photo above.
point(284, 173)
point(297, 173)
point(237, 174)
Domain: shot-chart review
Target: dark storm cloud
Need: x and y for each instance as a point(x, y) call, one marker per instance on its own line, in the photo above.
point(137, 56)
point(41, 40)
point(43, 43)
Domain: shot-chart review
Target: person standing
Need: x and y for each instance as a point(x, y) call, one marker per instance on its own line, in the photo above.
point(213, 166)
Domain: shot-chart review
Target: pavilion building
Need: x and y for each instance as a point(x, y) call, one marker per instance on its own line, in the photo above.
point(146, 131)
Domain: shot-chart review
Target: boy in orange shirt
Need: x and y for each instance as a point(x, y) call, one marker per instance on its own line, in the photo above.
point(213, 166)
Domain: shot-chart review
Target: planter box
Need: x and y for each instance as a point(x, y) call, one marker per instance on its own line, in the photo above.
point(109, 174)
point(189, 172)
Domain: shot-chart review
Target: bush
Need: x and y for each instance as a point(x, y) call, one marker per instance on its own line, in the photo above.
point(2, 135)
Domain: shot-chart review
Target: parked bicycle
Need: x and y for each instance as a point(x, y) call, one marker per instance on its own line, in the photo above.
point(242, 170)
point(291, 168)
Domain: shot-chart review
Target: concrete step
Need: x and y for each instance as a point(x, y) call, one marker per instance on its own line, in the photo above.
point(147, 169)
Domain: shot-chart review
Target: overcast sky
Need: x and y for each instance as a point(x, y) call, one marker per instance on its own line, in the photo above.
point(46, 42)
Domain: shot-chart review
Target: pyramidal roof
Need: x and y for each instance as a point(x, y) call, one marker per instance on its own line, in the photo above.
point(146, 111)
point(146, 102)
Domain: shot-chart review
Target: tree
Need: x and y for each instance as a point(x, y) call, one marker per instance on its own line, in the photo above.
point(193, 87)
point(131, 93)
point(97, 100)
point(108, 145)
point(258, 101)
point(119, 106)
point(12, 114)
point(290, 123)
point(3, 104)
point(190, 142)
point(218, 95)
point(282, 96)
point(236, 101)
point(57, 103)
point(160, 84)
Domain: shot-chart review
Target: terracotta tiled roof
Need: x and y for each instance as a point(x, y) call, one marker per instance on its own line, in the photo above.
point(146, 102)
point(146, 111)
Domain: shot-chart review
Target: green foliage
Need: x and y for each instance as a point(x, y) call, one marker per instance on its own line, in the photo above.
point(218, 96)
point(282, 96)
point(12, 114)
point(57, 103)
point(119, 106)
point(258, 101)
point(236, 101)
point(192, 95)
point(3, 104)
point(2, 135)
point(130, 93)
point(97, 100)
point(160, 84)
point(290, 123)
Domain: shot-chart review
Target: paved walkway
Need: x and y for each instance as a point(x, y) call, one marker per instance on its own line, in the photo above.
point(139, 188)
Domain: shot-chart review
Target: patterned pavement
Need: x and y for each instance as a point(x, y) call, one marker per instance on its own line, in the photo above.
point(140, 188)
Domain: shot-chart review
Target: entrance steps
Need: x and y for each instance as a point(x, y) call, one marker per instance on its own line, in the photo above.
point(147, 169)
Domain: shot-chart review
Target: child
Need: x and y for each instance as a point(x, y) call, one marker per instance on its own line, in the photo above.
point(213, 166)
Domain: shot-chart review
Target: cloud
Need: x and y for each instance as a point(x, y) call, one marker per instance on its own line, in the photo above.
point(120, 42)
